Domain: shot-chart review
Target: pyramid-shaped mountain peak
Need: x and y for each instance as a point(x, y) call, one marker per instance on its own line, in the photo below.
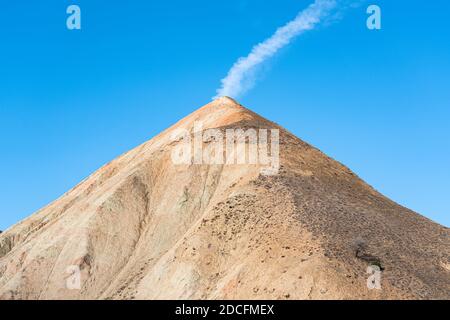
point(145, 226)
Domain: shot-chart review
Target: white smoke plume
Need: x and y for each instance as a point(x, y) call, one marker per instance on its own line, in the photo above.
point(239, 78)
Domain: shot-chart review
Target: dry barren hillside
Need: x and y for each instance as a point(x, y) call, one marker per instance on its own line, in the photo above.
point(143, 227)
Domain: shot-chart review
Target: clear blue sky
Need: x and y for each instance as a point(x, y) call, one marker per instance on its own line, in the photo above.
point(70, 101)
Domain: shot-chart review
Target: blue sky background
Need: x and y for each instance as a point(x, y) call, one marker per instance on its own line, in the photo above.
point(70, 101)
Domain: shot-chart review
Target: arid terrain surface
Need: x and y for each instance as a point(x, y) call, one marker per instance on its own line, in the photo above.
point(142, 227)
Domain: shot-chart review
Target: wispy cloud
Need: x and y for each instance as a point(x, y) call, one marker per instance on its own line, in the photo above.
point(240, 77)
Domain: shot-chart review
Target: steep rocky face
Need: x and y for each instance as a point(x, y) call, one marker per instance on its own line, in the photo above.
point(143, 227)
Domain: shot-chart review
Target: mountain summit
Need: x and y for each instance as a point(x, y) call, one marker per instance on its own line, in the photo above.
point(147, 227)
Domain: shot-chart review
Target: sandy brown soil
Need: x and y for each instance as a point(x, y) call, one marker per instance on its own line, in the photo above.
point(144, 228)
